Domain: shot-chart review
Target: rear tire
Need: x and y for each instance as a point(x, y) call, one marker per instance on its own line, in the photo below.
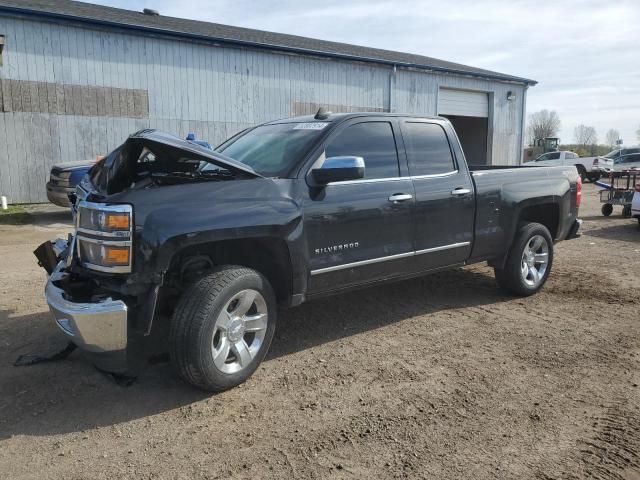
point(626, 211)
point(607, 209)
point(582, 172)
point(529, 261)
point(222, 328)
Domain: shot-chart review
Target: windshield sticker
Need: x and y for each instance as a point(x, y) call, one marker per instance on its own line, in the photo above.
point(310, 126)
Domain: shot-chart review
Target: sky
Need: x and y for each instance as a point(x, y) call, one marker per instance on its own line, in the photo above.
point(585, 54)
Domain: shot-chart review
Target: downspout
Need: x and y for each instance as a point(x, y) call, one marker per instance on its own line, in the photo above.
point(392, 84)
point(522, 122)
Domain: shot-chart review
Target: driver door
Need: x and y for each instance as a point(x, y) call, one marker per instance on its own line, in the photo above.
point(360, 231)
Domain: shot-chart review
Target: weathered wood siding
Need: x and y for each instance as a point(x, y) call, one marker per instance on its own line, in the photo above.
point(83, 89)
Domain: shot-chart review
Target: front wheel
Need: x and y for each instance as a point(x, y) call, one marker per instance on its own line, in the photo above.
point(529, 262)
point(222, 328)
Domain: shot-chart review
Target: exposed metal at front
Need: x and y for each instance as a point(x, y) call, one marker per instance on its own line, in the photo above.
point(96, 327)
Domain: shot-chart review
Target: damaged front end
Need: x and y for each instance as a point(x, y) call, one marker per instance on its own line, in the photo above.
point(96, 323)
point(105, 280)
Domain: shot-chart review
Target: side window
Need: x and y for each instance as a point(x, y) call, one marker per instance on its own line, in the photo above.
point(542, 158)
point(571, 156)
point(373, 141)
point(428, 149)
point(631, 158)
point(553, 156)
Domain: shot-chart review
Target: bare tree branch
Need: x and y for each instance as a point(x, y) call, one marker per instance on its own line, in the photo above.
point(612, 137)
point(585, 135)
point(543, 124)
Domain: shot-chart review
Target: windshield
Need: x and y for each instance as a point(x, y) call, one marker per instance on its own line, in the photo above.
point(613, 154)
point(272, 150)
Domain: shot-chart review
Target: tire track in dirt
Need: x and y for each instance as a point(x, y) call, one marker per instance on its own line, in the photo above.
point(584, 285)
point(613, 451)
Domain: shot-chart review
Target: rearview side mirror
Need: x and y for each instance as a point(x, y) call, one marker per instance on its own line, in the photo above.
point(339, 169)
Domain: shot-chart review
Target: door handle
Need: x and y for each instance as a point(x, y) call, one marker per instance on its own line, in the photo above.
point(400, 197)
point(460, 191)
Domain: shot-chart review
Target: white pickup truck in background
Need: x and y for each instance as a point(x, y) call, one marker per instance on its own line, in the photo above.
point(590, 168)
point(621, 160)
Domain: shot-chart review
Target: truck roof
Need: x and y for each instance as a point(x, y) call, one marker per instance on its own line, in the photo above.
point(337, 117)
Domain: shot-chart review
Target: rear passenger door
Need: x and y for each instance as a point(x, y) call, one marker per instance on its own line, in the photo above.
point(444, 210)
point(629, 161)
point(570, 159)
point(360, 231)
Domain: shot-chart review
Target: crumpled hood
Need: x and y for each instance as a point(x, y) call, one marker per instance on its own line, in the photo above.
point(121, 169)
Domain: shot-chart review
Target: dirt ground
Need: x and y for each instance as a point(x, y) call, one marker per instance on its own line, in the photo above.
point(442, 377)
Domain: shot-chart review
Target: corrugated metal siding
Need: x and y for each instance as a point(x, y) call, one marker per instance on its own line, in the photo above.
point(213, 91)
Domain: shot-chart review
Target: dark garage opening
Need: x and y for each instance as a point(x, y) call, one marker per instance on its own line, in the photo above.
point(473, 133)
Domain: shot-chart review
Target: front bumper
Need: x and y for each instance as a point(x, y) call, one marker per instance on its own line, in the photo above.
point(98, 328)
point(59, 195)
point(574, 231)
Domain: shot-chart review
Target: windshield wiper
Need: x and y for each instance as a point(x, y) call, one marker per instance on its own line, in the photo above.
point(197, 175)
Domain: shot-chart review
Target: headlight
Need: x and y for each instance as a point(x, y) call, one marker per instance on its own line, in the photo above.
point(104, 236)
point(113, 220)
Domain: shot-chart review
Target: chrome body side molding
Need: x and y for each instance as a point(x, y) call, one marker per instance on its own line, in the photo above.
point(388, 258)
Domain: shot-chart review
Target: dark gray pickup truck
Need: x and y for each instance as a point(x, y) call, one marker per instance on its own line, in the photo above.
point(182, 249)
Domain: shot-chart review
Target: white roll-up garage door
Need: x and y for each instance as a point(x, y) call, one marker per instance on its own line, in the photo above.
point(463, 103)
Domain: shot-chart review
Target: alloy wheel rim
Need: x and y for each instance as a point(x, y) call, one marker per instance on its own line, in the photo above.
point(239, 331)
point(535, 260)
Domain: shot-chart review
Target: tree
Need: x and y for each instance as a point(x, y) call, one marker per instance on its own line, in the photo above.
point(585, 135)
point(543, 124)
point(612, 137)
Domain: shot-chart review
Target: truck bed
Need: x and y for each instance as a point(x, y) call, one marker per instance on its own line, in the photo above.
point(504, 192)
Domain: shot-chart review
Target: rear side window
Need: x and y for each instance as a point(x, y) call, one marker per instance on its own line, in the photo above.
point(630, 158)
point(428, 149)
point(571, 156)
point(374, 142)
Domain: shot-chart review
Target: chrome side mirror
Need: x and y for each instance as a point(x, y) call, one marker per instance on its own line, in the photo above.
point(339, 169)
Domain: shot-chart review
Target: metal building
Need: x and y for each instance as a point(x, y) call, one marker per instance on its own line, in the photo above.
point(76, 79)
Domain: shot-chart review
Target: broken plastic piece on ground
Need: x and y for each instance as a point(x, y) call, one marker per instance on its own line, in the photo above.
point(30, 359)
point(120, 379)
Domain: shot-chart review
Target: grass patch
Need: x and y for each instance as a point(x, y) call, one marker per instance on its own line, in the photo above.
point(15, 215)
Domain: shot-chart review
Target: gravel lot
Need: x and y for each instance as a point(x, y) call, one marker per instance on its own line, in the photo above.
point(442, 377)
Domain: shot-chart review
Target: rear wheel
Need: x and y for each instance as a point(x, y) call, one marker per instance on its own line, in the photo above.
point(607, 209)
point(529, 262)
point(222, 328)
point(582, 172)
point(626, 211)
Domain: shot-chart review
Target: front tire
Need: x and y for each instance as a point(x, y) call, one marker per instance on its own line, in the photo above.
point(222, 328)
point(529, 261)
